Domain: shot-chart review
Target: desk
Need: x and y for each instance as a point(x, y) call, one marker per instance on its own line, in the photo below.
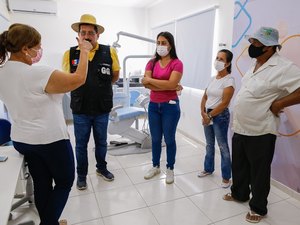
point(9, 176)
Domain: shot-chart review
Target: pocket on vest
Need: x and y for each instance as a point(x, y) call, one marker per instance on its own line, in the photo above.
point(76, 103)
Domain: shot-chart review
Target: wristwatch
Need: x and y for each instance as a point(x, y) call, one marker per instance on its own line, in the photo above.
point(209, 116)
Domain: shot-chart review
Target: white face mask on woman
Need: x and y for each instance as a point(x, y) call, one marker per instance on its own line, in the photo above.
point(162, 50)
point(219, 66)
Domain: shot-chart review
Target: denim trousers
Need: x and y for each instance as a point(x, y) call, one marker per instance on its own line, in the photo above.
point(218, 130)
point(163, 120)
point(48, 163)
point(83, 124)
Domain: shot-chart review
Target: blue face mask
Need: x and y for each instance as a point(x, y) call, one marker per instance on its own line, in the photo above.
point(255, 52)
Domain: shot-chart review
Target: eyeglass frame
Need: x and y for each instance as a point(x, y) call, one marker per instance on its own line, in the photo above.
point(89, 33)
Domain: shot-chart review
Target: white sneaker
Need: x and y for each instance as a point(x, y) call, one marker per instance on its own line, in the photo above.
point(152, 172)
point(170, 176)
point(225, 184)
point(203, 174)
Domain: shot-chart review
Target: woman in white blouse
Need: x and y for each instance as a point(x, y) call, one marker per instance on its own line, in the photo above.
point(216, 116)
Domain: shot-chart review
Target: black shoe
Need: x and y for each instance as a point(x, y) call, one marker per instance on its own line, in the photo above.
point(81, 184)
point(105, 174)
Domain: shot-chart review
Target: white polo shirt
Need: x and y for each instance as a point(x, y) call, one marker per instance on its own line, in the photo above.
point(275, 79)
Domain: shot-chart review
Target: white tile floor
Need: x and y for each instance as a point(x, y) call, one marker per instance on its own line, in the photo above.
point(131, 200)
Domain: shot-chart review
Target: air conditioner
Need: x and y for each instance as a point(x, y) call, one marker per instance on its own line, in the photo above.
point(33, 6)
point(3, 11)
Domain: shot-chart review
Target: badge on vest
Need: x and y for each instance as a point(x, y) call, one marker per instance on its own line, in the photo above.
point(75, 62)
point(105, 69)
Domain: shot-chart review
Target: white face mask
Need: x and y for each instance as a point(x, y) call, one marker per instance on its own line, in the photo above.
point(219, 66)
point(162, 50)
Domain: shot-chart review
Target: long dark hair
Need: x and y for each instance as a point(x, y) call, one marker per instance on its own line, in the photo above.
point(171, 41)
point(229, 57)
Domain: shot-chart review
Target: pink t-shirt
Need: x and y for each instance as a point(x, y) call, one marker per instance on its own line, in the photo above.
point(164, 74)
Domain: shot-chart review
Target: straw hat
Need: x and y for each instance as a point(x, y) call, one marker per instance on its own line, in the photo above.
point(87, 19)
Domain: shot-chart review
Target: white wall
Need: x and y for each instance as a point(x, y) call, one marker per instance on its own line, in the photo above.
point(57, 35)
point(4, 17)
point(190, 123)
point(168, 10)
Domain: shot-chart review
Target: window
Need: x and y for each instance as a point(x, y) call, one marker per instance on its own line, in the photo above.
point(194, 35)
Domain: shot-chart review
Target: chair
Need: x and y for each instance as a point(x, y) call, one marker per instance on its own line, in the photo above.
point(5, 128)
point(133, 96)
point(122, 119)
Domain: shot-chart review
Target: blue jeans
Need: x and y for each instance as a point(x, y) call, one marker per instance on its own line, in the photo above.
point(82, 129)
point(218, 130)
point(48, 163)
point(163, 120)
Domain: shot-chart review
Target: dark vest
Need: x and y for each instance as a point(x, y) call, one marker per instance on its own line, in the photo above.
point(95, 96)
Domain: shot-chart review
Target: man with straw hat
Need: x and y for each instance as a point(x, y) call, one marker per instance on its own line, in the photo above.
point(271, 84)
point(92, 102)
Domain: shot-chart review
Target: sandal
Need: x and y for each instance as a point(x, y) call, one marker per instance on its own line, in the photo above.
point(253, 217)
point(228, 197)
point(63, 222)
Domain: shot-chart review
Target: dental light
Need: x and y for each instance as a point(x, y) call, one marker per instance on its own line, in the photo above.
point(117, 45)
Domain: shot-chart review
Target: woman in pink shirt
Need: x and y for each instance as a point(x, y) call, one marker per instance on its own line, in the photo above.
point(162, 76)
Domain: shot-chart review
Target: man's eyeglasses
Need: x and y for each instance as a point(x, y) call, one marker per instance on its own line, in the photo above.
point(89, 33)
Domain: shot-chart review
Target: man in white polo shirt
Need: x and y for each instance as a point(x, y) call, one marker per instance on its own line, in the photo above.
point(271, 84)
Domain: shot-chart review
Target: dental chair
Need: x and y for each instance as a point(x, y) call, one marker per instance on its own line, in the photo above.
point(27, 196)
point(133, 97)
point(121, 123)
